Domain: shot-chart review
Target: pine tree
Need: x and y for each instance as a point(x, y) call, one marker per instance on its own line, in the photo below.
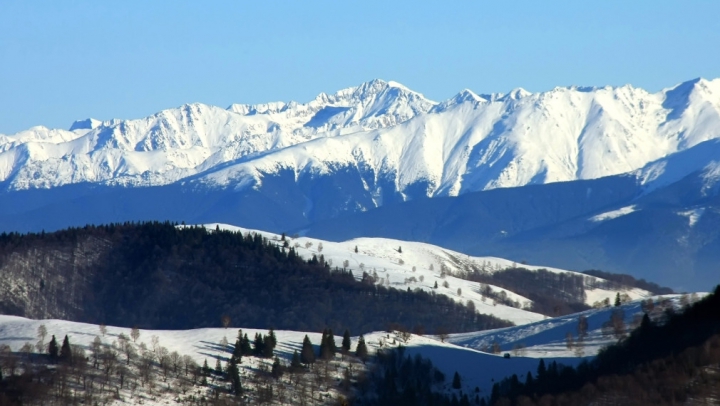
point(361, 351)
point(269, 344)
point(245, 346)
point(356, 250)
point(276, 369)
point(53, 350)
point(259, 345)
point(617, 299)
point(323, 351)
point(272, 342)
point(346, 342)
point(456, 383)
point(400, 250)
point(234, 375)
point(205, 369)
point(541, 374)
point(237, 351)
point(295, 363)
point(218, 367)
point(307, 355)
point(331, 346)
point(436, 286)
point(66, 351)
point(529, 383)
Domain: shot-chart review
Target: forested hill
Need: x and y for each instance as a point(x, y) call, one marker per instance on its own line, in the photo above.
point(156, 275)
point(674, 360)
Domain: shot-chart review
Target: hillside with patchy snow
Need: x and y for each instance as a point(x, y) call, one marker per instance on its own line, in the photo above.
point(469, 354)
point(414, 265)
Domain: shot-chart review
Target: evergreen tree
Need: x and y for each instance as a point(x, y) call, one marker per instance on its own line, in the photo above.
point(307, 355)
point(218, 367)
point(323, 351)
point(245, 346)
point(529, 383)
point(400, 250)
point(361, 351)
point(205, 369)
point(53, 350)
point(456, 383)
point(277, 369)
point(234, 375)
point(269, 344)
point(295, 363)
point(259, 345)
point(356, 250)
point(435, 287)
point(237, 351)
point(617, 299)
point(272, 342)
point(346, 342)
point(66, 351)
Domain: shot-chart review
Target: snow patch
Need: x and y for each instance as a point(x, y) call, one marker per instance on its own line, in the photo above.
point(693, 215)
point(613, 214)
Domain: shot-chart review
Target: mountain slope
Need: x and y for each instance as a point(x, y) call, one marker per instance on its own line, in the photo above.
point(659, 223)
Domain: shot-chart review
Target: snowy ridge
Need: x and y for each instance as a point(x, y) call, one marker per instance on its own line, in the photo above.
point(395, 269)
point(387, 132)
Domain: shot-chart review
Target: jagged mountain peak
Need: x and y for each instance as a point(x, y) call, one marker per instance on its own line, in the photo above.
point(497, 140)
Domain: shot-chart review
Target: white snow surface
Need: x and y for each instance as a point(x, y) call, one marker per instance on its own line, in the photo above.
point(382, 255)
point(613, 214)
point(467, 143)
point(693, 215)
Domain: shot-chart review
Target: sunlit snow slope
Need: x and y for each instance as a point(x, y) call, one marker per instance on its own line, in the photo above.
point(394, 139)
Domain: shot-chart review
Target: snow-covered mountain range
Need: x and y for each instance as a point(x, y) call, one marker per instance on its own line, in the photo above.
point(396, 141)
point(642, 172)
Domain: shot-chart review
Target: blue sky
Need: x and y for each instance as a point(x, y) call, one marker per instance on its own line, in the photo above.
point(62, 61)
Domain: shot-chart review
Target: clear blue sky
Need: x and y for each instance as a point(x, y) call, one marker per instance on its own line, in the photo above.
point(66, 60)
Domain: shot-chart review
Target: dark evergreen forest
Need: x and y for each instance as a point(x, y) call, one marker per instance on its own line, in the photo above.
point(160, 276)
point(676, 361)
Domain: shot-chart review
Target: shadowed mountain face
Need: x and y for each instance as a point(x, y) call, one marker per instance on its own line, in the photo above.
point(670, 235)
point(666, 233)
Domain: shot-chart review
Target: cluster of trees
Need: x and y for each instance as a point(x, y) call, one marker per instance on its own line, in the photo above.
point(666, 362)
point(552, 294)
point(397, 379)
point(157, 275)
point(616, 281)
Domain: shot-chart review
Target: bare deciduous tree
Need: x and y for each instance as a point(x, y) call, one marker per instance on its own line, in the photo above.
point(135, 333)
